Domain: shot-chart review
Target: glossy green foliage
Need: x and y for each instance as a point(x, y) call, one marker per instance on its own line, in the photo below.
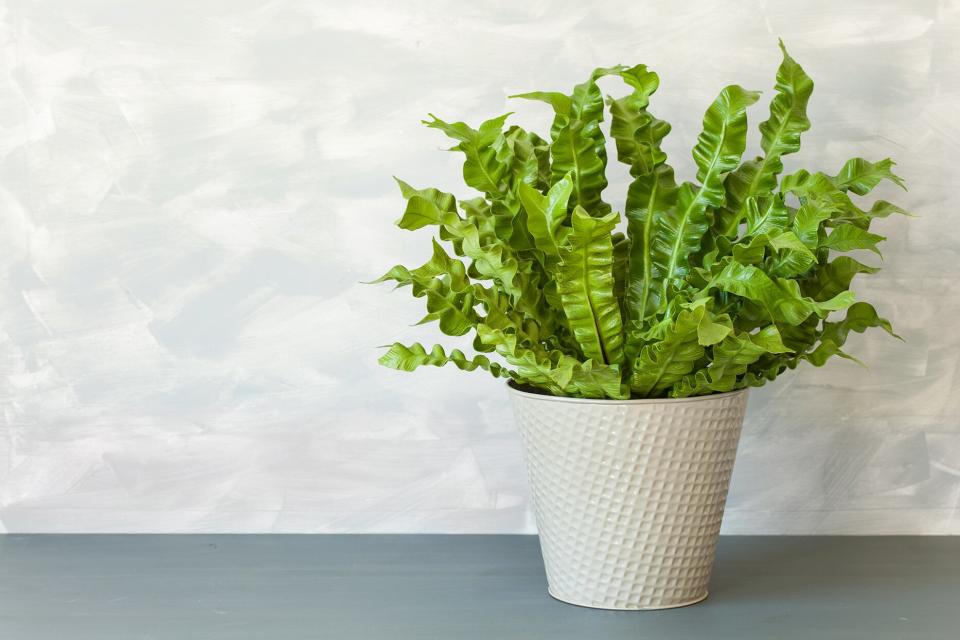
point(719, 283)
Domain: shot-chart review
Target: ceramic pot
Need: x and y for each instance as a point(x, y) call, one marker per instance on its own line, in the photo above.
point(629, 494)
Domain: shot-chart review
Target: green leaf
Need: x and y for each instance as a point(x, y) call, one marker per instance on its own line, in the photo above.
point(405, 358)
point(781, 298)
point(534, 365)
point(882, 209)
point(808, 222)
point(649, 199)
point(788, 113)
point(578, 152)
point(637, 133)
point(475, 237)
point(801, 337)
point(751, 250)
point(554, 371)
point(773, 218)
point(861, 176)
point(578, 146)
point(621, 258)
point(661, 364)
point(860, 317)
point(793, 257)
point(482, 169)
point(492, 260)
point(770, 340)
point(819, 190)
point(848, 237)
point(529, 157)
point(713, 330)
point(426, 207)
point(650, 195)
point(780, 135)
point(451, 297)
point(729, 359)
point(723, 139)
point(592, 380)
point(545, 213)
point(834, 277)
point(718, 150)
point(585, 283)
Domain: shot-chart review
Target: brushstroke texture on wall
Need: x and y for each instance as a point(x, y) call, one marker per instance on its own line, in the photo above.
point(191, 192)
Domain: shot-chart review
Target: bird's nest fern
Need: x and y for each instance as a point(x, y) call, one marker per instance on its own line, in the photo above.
point(718, 284)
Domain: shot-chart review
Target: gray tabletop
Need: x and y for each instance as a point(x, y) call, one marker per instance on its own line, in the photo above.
point(451, 587)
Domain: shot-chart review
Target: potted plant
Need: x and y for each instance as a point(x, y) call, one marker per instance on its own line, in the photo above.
point(628, 355)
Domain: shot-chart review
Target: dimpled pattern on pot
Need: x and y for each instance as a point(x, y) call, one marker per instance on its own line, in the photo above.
point(629, 495)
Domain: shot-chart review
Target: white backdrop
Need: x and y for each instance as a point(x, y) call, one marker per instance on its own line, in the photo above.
point(190, 193)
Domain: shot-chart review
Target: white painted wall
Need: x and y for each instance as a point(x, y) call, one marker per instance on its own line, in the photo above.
point(190, 193)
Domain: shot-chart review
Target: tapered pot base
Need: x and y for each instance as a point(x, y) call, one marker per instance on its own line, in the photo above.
point(587, 605)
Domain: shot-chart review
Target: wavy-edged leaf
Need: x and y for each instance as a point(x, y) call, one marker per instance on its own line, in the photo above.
point(660, 364)
point(713, 329)
point(801, 337)
point(807, 223)
point(585, 283)
point(545, 214)
point(784, 346)
point(780, 135)
point(578, 145)
point(637, 133)
point(818, 189)
point(652, 192)
point(781, 297)
point(771, 219)
point(621, 260)
point(861, 176)
point(426, 207)
point(451, 296)
point(490, 260)
point(474, 237)
point(723, 139)
point(591, 380)
point(528, 158)
point(780, 253)
point(404, 358)
point(649, 199)
point(555, 371)
point(766, 369)
point(529, 155)
point(751, 250)
point(792, 257)
point(882, 209)
point(728, 360)
point(718, 150)
point(848, 237)
point(860, 317)
point(482, 169)
point(834, 277)
point(728, 369)
point(770, 340)
point(534, 365)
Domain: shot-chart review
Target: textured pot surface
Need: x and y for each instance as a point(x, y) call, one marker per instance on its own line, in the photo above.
point(629, 494)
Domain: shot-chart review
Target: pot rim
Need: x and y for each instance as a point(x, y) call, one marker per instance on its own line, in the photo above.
point(511, 385)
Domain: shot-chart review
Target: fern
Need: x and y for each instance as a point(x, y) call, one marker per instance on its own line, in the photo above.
point(720, 283)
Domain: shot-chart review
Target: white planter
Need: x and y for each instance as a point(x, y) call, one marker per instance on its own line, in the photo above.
point(629, 494)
